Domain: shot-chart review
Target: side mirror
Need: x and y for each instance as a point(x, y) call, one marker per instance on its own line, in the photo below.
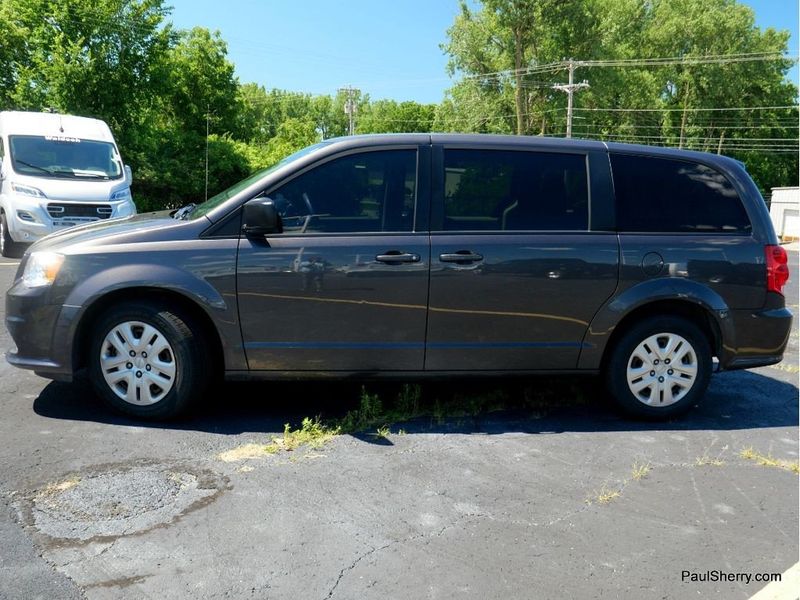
point(128, 174)
point(261, 218)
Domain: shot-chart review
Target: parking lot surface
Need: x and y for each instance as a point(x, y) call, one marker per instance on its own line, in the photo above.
point(564, 500)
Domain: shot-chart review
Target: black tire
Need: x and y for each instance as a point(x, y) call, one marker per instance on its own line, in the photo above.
point(8, 247)
point(192, 368)
point(621, 358)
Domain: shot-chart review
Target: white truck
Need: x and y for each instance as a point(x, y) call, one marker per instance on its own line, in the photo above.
point(57, 171)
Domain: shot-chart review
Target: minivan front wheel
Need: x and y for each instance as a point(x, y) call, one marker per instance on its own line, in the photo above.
point(660, 368)
point(147, 361)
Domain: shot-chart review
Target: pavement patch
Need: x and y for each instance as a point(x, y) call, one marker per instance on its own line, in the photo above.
point(112, 501)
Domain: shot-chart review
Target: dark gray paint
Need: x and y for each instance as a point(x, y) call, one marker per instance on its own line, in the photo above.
point(536, 302)
point(324, 302)
point(525, 306)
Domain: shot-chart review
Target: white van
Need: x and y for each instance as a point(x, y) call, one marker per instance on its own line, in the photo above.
point(57, 171)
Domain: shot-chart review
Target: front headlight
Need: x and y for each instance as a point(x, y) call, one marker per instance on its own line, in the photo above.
point(123, 194)
point(27, 190)
point(42, 268)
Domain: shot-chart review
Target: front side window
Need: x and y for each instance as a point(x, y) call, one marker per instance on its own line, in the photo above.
point(660, 195)
point(204, 208)
point(64, 157)
point(368, 192)
point(515, 191)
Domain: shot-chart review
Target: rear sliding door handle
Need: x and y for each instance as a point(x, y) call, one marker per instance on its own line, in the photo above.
point(462, 256)
point(393, 256)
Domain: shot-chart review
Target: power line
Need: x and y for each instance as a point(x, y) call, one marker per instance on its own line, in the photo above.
point(789, 106)
point(643, 62)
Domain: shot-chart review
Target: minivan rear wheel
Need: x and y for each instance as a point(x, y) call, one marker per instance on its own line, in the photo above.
point(659, 368)
point(147, 360)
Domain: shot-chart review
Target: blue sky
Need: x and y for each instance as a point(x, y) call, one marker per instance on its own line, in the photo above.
point(389, 49)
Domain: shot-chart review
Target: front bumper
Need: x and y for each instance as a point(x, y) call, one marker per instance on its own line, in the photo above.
point(27, 231)
point(40, 331)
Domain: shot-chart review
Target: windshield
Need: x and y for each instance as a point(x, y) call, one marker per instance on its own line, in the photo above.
point(215, 201)
point(64, 157)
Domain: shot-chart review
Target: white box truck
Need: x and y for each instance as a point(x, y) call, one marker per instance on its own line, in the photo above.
point(57, 171)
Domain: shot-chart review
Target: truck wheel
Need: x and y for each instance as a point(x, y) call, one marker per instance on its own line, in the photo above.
point(8, 247)
point(660, 368)
point(147, 360)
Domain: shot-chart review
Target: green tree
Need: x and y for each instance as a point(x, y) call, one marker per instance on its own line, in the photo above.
point(97, 59)
point(497, 49)
point(389, 116)
point(509, 53)
point(193, 117)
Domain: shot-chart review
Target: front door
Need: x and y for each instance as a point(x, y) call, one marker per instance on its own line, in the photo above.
point(345, 286)
point(516, 274)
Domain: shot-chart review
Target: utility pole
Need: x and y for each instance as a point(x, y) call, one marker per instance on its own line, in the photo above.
point(570, 88)
point(350, 107)
point(208, 121)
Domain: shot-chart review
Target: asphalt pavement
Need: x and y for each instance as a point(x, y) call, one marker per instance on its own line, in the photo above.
point(567, 501)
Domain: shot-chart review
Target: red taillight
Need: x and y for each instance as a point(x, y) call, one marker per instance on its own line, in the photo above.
point(777, 269)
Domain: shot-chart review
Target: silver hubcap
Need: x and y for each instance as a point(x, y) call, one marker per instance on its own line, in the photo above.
point(662, 369)
point(2, 236)
point(138, 363)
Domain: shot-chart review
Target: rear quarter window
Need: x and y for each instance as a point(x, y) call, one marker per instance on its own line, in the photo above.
point(662, 195)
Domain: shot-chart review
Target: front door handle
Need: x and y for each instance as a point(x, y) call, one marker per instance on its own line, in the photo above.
point(462, 256)
point(395, 256)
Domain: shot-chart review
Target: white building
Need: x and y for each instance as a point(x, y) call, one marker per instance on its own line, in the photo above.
point(785, 212)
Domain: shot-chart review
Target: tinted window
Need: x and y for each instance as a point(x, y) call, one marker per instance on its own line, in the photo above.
point(224, 195)
point(373, 191)
point(513, 191)
point(663, 195)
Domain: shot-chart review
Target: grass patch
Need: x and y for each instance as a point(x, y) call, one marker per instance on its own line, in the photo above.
point(640, 470)
point(312, 433)
point(378, 414)
point(767, 460)
point(604, 495)
point(708, 461)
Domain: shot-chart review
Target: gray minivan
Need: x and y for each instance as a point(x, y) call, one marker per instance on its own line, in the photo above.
point(420, 255)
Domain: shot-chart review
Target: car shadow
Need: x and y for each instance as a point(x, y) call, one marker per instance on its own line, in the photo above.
point(735, 400)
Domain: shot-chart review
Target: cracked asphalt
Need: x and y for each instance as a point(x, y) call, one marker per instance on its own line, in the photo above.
point(514, 504)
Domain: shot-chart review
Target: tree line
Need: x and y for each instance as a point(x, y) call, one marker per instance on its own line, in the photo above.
point(172, 98)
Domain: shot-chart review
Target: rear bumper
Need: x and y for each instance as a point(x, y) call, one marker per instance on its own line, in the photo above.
point(760, 338)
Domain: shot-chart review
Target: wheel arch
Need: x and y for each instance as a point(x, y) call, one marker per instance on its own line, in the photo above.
point(664, 296)
point(693, 312)
point(168, 297)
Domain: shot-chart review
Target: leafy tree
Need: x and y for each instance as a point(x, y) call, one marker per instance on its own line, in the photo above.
point(509, 53)
point(201, 89)
point(97, 59)
point(389, 116)
point(496, 45)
